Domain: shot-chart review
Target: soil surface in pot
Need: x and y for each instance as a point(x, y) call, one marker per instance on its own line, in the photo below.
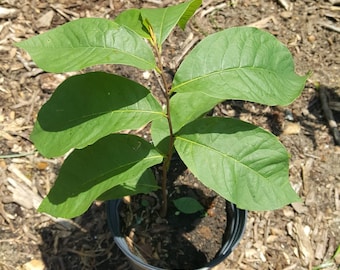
point(178, 241)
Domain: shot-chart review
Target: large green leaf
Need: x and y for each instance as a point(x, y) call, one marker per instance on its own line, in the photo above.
point(89, 172)
point(243, 163)
point(90, 106)
point(241, 63)
point(86, 42)
point(145, 184)
point(163, 20)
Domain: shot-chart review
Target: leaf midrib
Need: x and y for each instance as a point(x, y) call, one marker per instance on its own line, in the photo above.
point(95, 115)
point(128, 165)
point(224, 155)
point(214, 73)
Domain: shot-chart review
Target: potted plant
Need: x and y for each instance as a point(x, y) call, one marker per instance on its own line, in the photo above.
point(243, 163)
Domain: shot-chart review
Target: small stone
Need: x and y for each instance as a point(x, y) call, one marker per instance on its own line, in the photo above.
point(286, 14)
point(41, 165)
point(291, 128)
point(34, 265)
point(146, 75)
point(311, 38)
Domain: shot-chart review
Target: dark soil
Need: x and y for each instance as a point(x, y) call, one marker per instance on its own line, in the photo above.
point(299, 236)
point(178, 241)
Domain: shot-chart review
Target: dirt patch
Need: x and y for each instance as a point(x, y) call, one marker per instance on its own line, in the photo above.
point(177, 241)
point(298, 236)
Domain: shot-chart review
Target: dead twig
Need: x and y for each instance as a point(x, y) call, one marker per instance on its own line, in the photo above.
point(329, 114)
point(67, 14)
point(264, 22)
point(330, 27)
point(212, 9)
point(335, 2)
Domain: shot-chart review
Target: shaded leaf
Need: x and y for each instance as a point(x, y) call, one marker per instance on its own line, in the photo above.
point(87, 107)
point(243, 163)
point(86, 42)
point(88, 173)
point(145, 184)
point(240, 63)
point(188, 205)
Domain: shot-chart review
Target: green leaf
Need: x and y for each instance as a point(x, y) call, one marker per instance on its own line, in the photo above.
point(163, 20)
point(243, 163)
point(133, 20)
point(145, 184)
point(240, 63)
point(184, 107)
point(86, 42)
point(88, 173)
point(87, 107)
point(188, 205)
point(160, 135)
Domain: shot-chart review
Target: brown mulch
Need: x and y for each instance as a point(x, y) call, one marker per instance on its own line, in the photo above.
point(299, 236)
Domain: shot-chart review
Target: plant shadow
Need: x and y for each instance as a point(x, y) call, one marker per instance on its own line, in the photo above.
point(178, 241)
point(82, 243)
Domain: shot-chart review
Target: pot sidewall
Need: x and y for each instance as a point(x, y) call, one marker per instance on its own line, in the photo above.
point(236, 224)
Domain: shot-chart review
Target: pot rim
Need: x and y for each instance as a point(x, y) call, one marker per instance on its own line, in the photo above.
point(236, 224)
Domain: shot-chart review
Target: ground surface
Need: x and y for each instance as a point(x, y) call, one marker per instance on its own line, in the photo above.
point(300, 236)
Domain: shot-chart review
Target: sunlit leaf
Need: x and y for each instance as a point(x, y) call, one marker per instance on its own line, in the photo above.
point(185, 107)
point(243, 163)
point(240, 63)
point(163, 20)
point(133, 20)
point(86, 42)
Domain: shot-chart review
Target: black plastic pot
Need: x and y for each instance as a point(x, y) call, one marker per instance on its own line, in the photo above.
point(236, 223)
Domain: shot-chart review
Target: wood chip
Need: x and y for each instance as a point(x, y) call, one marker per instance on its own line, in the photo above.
point(321, 246)
point(8, 13)
point(23, 195)
point(304, 244)
point(45, 20)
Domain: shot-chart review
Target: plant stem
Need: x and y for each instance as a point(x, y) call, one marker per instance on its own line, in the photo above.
point(167, 159)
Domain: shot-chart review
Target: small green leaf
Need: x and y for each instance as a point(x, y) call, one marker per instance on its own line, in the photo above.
point(240, 63)
point(163, 20)
point(86, 42)
point(145, 184)
point(88, 173)
point(133, 20)
point(188, 205)
point(87, 107)
point(184, 108)
point(243, 163)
